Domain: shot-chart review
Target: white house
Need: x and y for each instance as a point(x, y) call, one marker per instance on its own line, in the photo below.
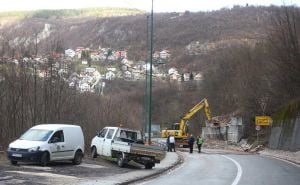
point(90, 69)
point(110, 75)
point(96, 74)
point(126, 61)
point(172, 71)
point(175, 76)
point(127, 75)
point(70, 53)
point(186, 76)
point(164, 54)
point(95, 57)
point(84, 87)
point(111, 69)
point(198, 76)
point(125, 67)
point(71, 84)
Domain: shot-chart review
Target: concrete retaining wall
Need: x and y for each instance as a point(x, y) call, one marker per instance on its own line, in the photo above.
point(232, 133)
point(286, 137)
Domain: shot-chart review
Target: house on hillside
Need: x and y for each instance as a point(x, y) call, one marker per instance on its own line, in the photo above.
point(95, 56)
point(155, 55)
point(70, 53)
point(198, 77)
point(78, 51)
point(174, 74)
point(125, 67)
point(186, 76)
point(126, 61)
point(127, 75)
point(111, 69)
point(164, 54)
point(84, 87)
point(89, 69)
point(172, 70)
point(110, 75)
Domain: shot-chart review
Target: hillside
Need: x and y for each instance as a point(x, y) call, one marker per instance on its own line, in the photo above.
point(189, 36)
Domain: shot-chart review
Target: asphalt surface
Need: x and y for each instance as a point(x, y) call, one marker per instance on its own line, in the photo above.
point(61, 172)
point(230, 169)
point(90, 172)
point(213, 167)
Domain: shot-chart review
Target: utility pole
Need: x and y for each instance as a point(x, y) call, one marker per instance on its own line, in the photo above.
point(34, 109)
point(149, 83)
point(146, 86)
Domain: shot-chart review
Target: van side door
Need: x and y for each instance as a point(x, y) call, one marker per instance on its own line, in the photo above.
point(57, 145)
point(107, 142)
point(99, 140)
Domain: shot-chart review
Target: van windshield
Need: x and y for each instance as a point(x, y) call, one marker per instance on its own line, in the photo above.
point(36, 135)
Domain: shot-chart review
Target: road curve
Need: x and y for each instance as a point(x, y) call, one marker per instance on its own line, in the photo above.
point(229, 169)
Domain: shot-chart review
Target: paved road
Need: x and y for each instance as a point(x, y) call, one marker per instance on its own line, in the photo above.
point(226, 169)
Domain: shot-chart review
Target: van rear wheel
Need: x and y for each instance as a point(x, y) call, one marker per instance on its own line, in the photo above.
point(77, 158)
point(149, 165)
point(14, 162)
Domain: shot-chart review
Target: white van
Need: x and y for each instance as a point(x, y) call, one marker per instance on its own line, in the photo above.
point(48, 142)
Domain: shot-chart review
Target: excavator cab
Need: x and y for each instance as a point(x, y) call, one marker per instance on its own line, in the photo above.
point(175, 126)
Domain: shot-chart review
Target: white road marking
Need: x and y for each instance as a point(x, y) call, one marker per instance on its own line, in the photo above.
point(93, 166)
point(43, 174)
point(274, 157)
point(37, 167)
point(13, 181)
point(239, 172)
point(6, 178)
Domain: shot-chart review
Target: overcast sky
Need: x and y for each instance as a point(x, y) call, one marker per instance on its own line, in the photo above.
point(159, 5)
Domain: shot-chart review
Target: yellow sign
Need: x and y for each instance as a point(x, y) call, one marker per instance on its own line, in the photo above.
point(263, 120)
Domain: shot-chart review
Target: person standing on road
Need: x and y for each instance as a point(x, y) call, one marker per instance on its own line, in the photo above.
point(191, 143)
point(200, 141)
point(172, 143)
point(168, 143)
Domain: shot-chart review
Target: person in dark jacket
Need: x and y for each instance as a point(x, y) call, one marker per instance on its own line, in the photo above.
point(191, 143)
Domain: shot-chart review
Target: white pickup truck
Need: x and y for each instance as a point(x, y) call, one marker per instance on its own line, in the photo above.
point(125, 145)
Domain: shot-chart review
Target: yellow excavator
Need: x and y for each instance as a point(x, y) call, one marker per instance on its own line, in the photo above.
point(180, 130)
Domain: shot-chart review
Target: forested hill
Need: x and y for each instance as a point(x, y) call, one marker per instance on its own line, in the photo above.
point(187, 35)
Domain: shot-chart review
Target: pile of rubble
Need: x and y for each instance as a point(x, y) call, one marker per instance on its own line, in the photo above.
point(242, 146)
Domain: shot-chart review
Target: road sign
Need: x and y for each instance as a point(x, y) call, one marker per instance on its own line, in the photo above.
point(263, 120)
point(257, 127)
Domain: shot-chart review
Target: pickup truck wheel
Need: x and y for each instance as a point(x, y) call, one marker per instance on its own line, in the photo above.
point(14, 162)
point(149, 165)
point(94, 152)
point(121, 161)
point(44, 159)
point(77, 158)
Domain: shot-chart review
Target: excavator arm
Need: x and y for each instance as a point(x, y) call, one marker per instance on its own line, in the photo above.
point(202, 104)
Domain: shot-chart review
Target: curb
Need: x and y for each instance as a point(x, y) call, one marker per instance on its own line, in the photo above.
point(282, 158)
point(158, 173)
